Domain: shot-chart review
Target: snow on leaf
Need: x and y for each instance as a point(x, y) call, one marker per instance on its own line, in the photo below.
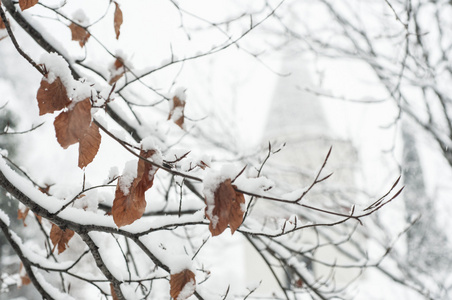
point(182, 284)
point(22, 214)
point(60, 238)
point(52, 96)
point(227, 208)
point(129, 205)
point(117, 20)
point(116, 71)
point(89, 146)
point(79, 34)
point(177, 104)
point(71, 125)
point(26, 4)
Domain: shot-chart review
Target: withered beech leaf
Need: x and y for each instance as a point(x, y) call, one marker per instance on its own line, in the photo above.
point(146, 171)
point(71, 125)
point(117, 20)
point(177, 111)
point(182, 285)
point(2, 25)
point(113, 293)
point(45, 189)
point(89, 146)
point(227, 209)
point(25, 4)
point(129, 207)
point(60, 238)
point(38, 217)
point(202, 165)
point(52, 96)
point(22, 215)
point(25, 280)
point(117, 71)
point(79, 34)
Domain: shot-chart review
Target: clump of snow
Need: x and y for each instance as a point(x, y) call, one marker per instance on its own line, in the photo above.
point(188, 290)
point(4, 217)
point(57, 66)
point(4, 152)
point(294, 195)
point(150, 143)
point(190, 161)
point(79, 16)
point(9, 280)
point(177, 112)
point(256, 185)
point(88, 201)
point(51, 290)
point(180, 263)
point(129, 291)
point(127, 177)
point(176, 153)
point(114, 172)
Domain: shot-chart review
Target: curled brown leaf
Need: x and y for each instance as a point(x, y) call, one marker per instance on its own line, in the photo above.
point(117, 20)
point(60, 238)
point(227, 208)
point(52, 96)
point(129, 207)
point(79, 34)
point(71, 125)
point(26, 4)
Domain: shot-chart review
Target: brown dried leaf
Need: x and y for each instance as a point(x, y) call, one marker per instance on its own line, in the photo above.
point(146, 171)
point(89, 145)
point(117, 20)
point(130, 207)
point(38, 217)
point(177, 111)
point(52, 96)
point(118, 63)
point(71, 126)
point(227, 209)
point(113, 293)
point(203, 165)
point(299, 283)
point(75, 126)
point(179, 281)
point(26, 4)
point(23, 275)
point(22, 215)
point(46, 189)
point(2, 25)
point(60, 238)
point(79, 34)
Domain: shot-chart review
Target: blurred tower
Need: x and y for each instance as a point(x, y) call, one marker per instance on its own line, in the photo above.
point(297, 118)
